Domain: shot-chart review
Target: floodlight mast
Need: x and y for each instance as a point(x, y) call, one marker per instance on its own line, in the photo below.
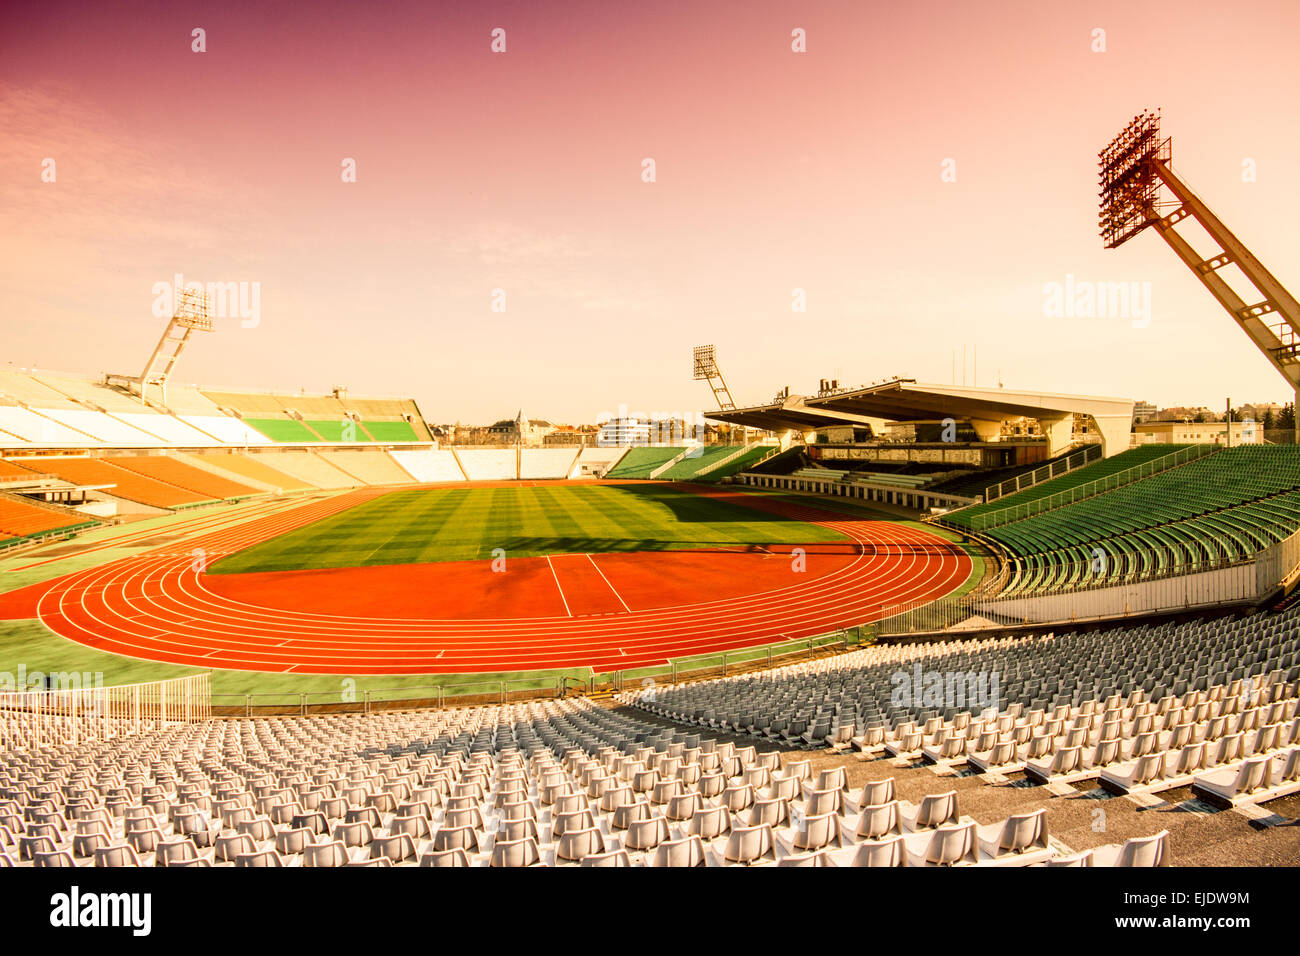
point(190, 315)
point(1134, 167)
point(706, 368)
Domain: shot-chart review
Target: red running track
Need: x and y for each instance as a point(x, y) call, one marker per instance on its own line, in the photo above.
point(605, 611)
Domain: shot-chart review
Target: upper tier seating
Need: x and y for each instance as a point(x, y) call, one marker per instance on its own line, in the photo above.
point(36, 429)
point(167, 428)
point(288, 430)
point(9, 469)
point(225, 429)
point(429, 465)
point(173, 471)
point(246, 404)
point(392, 431)
point(337, 430)
point(101, 426)
point(21, 387)
point(107, 397)
point(640, 462)
point(128, 484)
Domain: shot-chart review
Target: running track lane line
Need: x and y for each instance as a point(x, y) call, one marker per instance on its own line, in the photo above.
point(611, 586)
point(556, 577)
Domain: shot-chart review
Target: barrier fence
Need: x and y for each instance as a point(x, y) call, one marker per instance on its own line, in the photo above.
point(470, 693)
point(1207, 584)
point(1057, 468)
point(31, 719)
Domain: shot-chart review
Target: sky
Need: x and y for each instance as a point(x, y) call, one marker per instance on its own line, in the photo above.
point(917, 178)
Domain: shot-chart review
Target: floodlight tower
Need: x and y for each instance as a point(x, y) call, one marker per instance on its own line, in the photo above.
point(706, 367)
point(190, 316)
point(1134, 167)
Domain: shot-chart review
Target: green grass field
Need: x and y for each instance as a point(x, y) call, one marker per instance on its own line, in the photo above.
point(464, 524)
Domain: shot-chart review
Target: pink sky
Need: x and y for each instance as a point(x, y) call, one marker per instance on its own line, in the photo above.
point(521, 171)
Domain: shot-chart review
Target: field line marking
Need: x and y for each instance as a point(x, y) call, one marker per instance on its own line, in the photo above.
point(611, 587)
point(557, 586)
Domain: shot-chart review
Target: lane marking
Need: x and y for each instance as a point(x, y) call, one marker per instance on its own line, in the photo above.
point(557, 586)
point(611, 587)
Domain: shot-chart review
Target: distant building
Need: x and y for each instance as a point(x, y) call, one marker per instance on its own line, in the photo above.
point(529, 432)
point(1187, 413)
point(1204, 433)
point(1258, 411)
point(1143, 411)
point(618, 432)
point(568, 436)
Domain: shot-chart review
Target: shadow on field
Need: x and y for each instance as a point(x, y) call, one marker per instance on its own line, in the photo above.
point(690, 506)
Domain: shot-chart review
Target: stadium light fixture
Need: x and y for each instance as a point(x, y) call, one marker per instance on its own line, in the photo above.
point(1136, 169)
point(1130, 185)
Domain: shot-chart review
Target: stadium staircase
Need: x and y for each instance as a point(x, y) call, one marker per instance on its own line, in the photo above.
point(459, 464)
point(741, 455)
point(655, 473)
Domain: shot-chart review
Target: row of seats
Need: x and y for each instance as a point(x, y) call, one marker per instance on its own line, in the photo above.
point(875, 690)
point(21, 520)
point(966, 517)
point(640, 462)
point(40, 408)
point(558, 782)
point(1224, 507)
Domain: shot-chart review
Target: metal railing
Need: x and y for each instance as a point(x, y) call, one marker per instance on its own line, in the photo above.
point(32, 719)
point(1056, 469)
point(474, 693)
point(1091, 489)
point(1192, 584)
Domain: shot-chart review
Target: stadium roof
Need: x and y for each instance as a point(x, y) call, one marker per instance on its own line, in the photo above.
point(908, 400)
point(792, 414)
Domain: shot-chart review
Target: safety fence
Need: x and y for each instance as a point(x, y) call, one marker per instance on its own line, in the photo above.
point(1207, 584)
point(1036, 477)
point(984, 520)
point(32, 719)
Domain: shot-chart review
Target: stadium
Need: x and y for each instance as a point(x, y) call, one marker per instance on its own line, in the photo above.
point(890, 623)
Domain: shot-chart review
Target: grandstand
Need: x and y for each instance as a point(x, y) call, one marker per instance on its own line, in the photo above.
point(173, 471)
point(251, 469)
point(368, 466)
point(430, 465)
point(1221, 507)
point(709, 774)
point(122, 482)
point(489, 464)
